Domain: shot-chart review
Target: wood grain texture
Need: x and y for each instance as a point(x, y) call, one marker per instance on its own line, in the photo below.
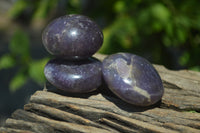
point(101, 111)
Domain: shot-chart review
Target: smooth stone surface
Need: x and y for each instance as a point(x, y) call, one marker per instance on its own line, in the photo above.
point(74, 76)
point(133, 79)
point(73, 37)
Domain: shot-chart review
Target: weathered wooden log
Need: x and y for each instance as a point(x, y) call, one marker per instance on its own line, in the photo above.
point(53, 110)
point(182, 88)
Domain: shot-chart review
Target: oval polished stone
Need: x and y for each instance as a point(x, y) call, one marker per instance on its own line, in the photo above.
point(72, 37)
point(74, 76)
point(133, 79)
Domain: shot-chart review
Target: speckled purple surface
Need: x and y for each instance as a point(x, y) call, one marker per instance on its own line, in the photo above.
point(74, 76)
point(72, 36)
point(133, 79)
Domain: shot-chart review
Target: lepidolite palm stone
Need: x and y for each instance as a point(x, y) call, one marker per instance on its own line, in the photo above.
point(72, 37)
point(74, 76)
point(133, 79)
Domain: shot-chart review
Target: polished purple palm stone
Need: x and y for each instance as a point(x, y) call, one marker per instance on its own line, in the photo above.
point(74, 76)
point(72, 37)
point(133, 79)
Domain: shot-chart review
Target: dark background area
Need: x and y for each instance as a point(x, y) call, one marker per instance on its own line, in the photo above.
point(165, 32)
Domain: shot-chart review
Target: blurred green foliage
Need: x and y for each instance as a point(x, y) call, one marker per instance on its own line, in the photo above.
point(19, 55)
point(156, 29)
point(164, 31)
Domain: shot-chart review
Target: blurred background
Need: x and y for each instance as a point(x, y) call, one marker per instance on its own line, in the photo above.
point(165, 32)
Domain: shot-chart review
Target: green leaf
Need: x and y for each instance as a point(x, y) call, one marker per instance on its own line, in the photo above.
point(167, 41)
point(195, 68)
point(106, 44)
point(36, 70)
point(183, 20)
point(19, 45)
point(6, 61)
point(169, 29)
point(184, 59)
point(75, 3)
point(18, 8)
point(181, 35)
point(160, 12)
point(43, 8)
point(157, 26)
point(120, 6)
point(18, 81)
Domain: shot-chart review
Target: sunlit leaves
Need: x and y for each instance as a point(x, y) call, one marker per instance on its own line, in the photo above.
point(43, 8)
point(120, 6)
point(160, 12)
point(195, 68)
point(18, 8)
point(155, 27)
point(184, 58)
point(73, 7)
point(20, 56)
point(6, 61)
point(120, 34)
point(17, 81)
point(19, 45)
point(36, 70)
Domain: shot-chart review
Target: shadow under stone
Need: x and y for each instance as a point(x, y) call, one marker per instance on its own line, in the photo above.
point(109, 95)
point(53, 89)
